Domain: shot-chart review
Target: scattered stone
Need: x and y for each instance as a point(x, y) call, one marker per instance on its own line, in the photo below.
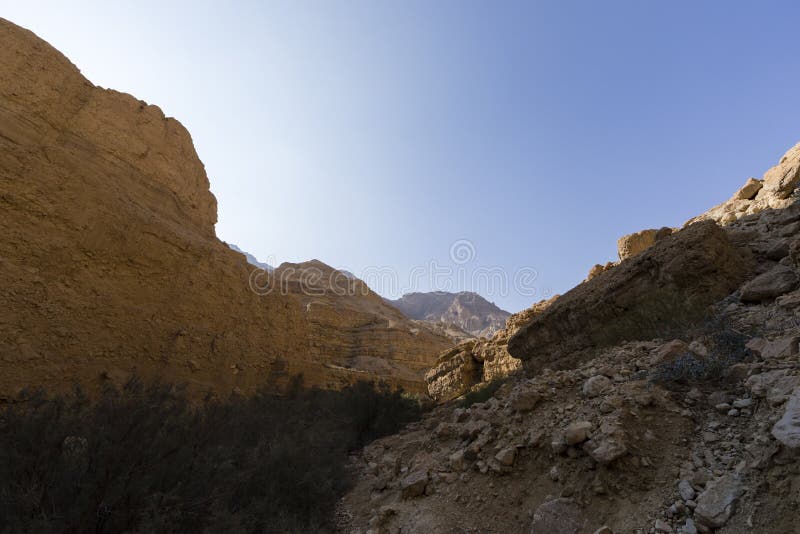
point(688, 527)
point(577, 432)
point(716, 504)
point(787, 429)
point(604, 530)
point(773, 283)
point(554, 473)
point(458, 461)
point(414, 484)
point(671, 351)
point(663, 527)
point(596, 386)
point(742, 403)
point(506, 456)
point(606, 449)
point(686, 490)
point(525, 401)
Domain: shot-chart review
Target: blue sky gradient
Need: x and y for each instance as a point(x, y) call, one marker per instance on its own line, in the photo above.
point(379, 133)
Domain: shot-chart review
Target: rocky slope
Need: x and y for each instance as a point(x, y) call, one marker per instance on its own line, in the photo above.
point(661, 396)
point(466, 310)
point(111, 265)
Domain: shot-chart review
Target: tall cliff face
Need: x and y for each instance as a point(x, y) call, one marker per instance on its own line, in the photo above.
point(467, 310)
point(111, 265)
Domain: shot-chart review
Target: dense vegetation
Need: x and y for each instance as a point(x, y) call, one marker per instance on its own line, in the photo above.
point(143, 459)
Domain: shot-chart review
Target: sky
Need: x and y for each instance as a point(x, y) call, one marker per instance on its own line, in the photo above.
point(501, 147)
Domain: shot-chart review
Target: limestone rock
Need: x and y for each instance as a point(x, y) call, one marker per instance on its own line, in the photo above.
point(716, 504)
point(787, 429)
point(769, 285)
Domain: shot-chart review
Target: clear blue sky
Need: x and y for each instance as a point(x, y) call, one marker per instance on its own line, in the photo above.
point(378, 133)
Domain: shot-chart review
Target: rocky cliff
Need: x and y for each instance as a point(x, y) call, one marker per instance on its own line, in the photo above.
point(111, 265)
point(662, 395)
point(466, 310)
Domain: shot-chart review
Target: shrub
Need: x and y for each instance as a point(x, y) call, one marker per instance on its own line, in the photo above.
point(482, 394)
point(144, 459)
point(725, 345)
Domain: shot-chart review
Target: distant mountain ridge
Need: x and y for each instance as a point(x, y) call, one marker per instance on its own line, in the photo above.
point(252, 260)
point(467, 310)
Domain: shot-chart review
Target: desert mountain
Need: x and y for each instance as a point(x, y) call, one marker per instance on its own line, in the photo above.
point(660, 395)
point(111, 265)
point(252, 260)
point(467, 310)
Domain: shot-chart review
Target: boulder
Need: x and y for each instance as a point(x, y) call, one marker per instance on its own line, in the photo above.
point(669, 285)
point(769, 285)
point(716, 504)
point(577, 432)
point(787, 429)
point(749, 190)
point(782, 179)
point(596, 386)
point(632, 244)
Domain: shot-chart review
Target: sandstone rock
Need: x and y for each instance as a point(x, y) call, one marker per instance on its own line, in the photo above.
point(787, 429)
point(716, 504)
point(414, 484)
point(559, 515)
point(577, 432)
point(668, 284)
point(596, 386)
point(773, 283)
point(749, 190)
point(637, 242)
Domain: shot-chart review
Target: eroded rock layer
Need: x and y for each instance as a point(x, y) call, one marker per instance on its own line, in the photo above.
point(111, 266)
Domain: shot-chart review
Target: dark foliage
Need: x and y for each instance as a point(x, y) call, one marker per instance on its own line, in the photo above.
point(483, 394)
point(144, 459)
point(726, 347)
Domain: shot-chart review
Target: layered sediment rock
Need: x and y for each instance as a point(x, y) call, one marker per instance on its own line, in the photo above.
point(111, 265)
point(671, 282)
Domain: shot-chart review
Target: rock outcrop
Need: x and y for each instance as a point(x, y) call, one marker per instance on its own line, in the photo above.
point(673, 281)
point(466, 310)
point(111, 265)
point(475, 362)
point(633, 244)
point(693, 428)
point(773, 191)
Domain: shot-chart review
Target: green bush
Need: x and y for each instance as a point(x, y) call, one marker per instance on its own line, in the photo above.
point(144, 459)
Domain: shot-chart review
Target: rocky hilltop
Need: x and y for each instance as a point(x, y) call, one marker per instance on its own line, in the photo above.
point(466, 310)
point(111, 265)
point(661, 395)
